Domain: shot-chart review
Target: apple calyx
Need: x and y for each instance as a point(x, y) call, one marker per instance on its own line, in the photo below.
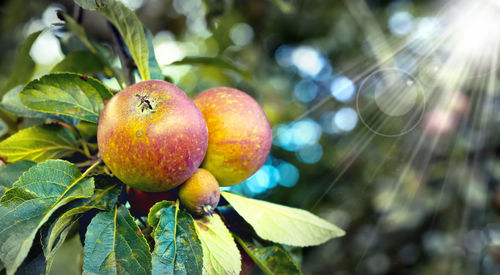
point(145, 103)
point(207, 209)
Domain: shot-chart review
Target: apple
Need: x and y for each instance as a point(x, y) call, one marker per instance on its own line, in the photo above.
point(141, 201)
point(239, 134)
point(200, 194)
point(152, 136)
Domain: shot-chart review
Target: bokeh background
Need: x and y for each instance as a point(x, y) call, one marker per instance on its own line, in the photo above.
point(385, 114)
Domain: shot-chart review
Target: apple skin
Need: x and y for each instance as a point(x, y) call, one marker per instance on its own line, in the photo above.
point(141, 201)
point(239, 134)
point(200, 194)
point(152, 136)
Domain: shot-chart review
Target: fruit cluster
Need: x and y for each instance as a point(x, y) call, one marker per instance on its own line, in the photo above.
point(154, 138)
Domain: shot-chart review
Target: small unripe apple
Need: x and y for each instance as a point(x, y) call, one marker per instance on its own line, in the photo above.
point(200, 194)
point(152, 136)
point(239, 134)
point(141, 201)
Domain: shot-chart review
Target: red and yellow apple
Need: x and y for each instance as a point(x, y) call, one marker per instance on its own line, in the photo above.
point(152, 136)
point(239, 134)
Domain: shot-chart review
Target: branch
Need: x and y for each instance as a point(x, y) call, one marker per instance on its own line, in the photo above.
point(128, 64)
point(78, 13)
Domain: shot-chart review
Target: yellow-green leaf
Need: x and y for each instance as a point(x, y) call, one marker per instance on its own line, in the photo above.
point(220, 254)
point(39, 143)
point(283, 224)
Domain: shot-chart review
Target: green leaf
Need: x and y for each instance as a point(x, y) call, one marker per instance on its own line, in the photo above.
point(66, 94)
point(95, 48)
point(220, 254)
point(12, 103)
point(114, 244)
point(284, 5)
point(31, 201)
point(4, 128)
point(130, 27)
point(177, 247)
point(270, 259)
point(155, 213)
point(90, 4)
point(216, 62)
point(11, 172)
point(24, 66)
point(82, 62)
point(105, 197)
point(87, 130)
point(283, 224)
point(34, 263)
point(154, 67)
point(39, 143)
point(72, 25)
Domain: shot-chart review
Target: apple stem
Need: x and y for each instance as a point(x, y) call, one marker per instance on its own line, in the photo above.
point(86, 151)
point(85, 148)
point(78, 13)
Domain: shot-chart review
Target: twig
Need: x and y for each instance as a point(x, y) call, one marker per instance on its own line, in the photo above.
point(86, 163)
point(78, 13)
point(85, 148)
point(86, 151)
point(125, 60)
point(91, 168)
